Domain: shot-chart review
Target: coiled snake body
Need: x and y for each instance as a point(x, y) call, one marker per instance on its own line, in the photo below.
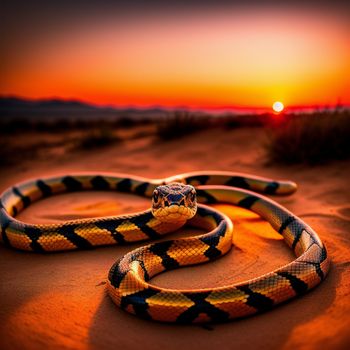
point(173, 203)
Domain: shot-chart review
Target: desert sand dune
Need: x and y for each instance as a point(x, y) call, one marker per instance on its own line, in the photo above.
point(58, 301)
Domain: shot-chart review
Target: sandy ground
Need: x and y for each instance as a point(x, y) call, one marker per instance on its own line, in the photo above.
point(58, 301)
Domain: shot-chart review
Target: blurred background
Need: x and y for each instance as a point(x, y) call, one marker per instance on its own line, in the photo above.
point(82, 75)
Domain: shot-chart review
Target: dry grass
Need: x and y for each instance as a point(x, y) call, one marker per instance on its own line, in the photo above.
point(20, 125)
point(97, 138)
point(37, 144)
point(180, 124)
point(245, 120)
point(311, 139)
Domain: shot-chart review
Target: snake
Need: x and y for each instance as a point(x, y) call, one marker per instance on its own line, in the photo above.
point(178, 200)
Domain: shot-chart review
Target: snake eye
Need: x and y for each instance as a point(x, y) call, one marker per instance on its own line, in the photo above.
point(155, 196)
point(192, 196)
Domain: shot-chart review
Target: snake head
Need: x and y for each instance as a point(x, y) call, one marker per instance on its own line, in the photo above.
point(174, 202)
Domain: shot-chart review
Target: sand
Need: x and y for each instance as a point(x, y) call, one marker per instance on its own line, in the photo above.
point(58, 301)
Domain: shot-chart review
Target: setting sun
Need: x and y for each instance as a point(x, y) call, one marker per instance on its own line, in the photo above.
point(278, 107)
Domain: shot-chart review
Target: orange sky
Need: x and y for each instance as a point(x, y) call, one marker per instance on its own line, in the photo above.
point(210, 59)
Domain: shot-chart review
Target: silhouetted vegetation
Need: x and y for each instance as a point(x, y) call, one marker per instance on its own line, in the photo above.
point(245, 120)
point(97, 138)
point(180, 124)
point(20, 125)
point(293, 138)
point(314, 138)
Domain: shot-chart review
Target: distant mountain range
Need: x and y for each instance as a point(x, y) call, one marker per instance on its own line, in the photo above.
point(57, 108)
point(15, 107)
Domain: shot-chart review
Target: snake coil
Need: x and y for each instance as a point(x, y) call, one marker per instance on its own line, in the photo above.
point(128, 280)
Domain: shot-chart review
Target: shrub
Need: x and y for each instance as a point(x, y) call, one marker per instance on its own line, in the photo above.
point(97, 138)
point(314, 138)
point(180, 124)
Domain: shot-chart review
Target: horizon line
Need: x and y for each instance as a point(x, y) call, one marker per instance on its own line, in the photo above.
point(202, 108)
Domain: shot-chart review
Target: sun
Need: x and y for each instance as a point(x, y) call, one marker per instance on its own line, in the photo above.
point(278, 107)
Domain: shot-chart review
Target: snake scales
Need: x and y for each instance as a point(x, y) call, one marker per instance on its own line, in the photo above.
point(174, 202)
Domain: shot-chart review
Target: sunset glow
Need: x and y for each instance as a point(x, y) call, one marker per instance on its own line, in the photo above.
point(209, 60)
point(278, 107)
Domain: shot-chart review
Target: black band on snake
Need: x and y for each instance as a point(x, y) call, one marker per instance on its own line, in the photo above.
point(174, 202)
